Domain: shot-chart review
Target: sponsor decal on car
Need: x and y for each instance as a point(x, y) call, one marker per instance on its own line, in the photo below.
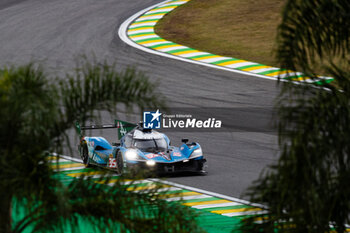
point(151, 156)
point(178, 154)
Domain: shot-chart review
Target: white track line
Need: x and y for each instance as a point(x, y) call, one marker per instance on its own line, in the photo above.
point(194, 197)
point(59, 160)
point(215, 205)
point(69, 158)
point(209, 193)
point(69, 169)
point(245, 213)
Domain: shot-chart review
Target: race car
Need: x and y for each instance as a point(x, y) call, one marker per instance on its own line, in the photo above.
point(140, 150)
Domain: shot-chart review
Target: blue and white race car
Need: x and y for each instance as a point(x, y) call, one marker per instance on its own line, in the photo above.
point(140, 150)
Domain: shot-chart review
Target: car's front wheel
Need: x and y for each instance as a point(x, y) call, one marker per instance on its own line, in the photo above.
point(85, 156)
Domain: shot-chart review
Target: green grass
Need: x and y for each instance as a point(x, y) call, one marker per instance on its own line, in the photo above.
point(244, 29)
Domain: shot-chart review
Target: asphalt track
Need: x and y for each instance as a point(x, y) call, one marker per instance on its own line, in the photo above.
point(56, 32)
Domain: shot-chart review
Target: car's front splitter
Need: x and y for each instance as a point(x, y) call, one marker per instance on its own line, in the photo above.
point(165, 168)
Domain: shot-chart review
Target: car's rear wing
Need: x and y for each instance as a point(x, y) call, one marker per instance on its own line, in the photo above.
point(122, 126)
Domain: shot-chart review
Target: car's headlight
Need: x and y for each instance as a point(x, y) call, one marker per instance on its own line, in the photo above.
point(150, 163)
point(196, 153)
point(132, 154)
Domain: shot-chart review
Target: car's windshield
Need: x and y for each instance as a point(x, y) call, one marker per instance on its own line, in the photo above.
point(150, 144)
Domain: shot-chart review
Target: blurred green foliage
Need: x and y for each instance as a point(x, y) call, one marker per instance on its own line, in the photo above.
point(36, 112)
point(308, 189)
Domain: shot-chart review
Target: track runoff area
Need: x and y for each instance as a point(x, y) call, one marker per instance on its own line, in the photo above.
point(216, 213)
point(138, 31)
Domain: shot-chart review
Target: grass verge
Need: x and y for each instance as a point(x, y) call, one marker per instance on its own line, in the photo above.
point(244, 29)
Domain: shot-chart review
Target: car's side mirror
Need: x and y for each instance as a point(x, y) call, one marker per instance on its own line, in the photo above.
point(184, 140)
